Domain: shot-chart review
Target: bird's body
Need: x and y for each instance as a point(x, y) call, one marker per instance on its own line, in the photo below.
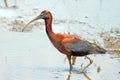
point(59, 41)
point(70, 45)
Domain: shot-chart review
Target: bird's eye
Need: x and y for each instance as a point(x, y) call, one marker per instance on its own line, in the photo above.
point(42, 14)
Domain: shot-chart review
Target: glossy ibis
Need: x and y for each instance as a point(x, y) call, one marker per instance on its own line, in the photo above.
point(70, 45)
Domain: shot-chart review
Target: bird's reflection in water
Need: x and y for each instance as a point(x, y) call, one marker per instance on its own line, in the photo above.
point(68, 77)
point(85, 75)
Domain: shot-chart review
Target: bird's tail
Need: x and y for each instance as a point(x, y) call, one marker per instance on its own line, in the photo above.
point(99, 50)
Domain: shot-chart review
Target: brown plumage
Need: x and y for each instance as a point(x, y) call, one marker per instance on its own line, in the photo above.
point(70, 45)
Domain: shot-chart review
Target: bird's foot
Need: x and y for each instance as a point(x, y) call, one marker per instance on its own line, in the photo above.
point(82, 71)
point(70, 69)
point(91, 61)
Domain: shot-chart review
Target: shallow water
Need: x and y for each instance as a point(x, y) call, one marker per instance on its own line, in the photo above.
point(29, 56)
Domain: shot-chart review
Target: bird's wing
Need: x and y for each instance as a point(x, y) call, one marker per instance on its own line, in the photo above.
point(80, 48)
point(70, 39)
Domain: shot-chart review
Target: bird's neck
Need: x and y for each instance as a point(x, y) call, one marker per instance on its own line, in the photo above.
point(48, 24)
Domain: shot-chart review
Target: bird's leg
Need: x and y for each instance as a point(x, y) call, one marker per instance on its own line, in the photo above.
point(69, 59)
point(73, 60)
point(91, 61)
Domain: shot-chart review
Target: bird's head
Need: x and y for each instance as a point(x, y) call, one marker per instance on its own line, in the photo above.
point(43, 15)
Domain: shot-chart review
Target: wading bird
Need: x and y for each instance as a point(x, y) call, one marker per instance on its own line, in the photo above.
point(70, 45)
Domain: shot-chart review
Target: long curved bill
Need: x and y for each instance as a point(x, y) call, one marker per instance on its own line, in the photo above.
point(38, 17)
